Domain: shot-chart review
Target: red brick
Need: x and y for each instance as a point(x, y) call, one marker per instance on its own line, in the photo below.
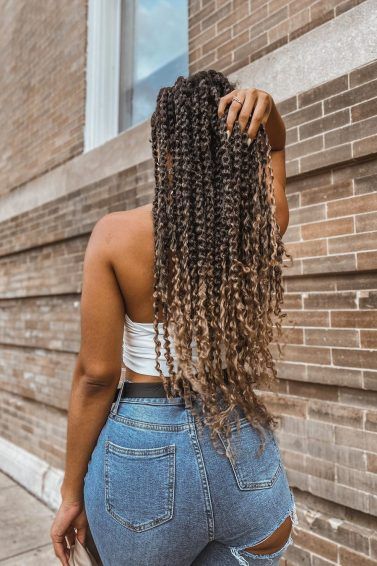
point(257, 43)
point(307, 318)
point(316, 544)
point(328, 192)
point(256, 16)
point(308, 214)
point(327, 228)
point(367, 184)
point(335, 413)
point(371, 421)
point(353, 205)
point(350, 97)
point(303, 115)
point(352, 319)
point(330, 301)
point(324, 90)
point(330, 264)
point(311, 145)
point(313, 391)
point(333, 337)
point(348, 557)
point(320, 126)
point(334, 376)
point(364, 110)
point(216, 41)
point(307, 249)
point(363, 74)
point(230, 45)
point(351, 133)
point(42, 90)
point(326, 157)
point(199, 15)
point(367, 260)
point(287, 105)
point(366, 222)
point(366, 146)
point(353, 243)
point(217, 15)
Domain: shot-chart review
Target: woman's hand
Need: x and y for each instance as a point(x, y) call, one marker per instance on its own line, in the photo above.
point(252, 101)
point(69, 517)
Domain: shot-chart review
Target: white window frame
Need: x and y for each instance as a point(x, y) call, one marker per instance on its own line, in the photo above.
point(102, 72)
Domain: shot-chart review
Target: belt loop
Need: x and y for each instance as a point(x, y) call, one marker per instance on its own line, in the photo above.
point(118, 398)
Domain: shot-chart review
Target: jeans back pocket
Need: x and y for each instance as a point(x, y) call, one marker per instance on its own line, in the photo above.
point(139, 485)
point(253, 470)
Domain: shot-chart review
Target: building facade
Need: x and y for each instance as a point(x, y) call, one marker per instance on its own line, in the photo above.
point(77, 87)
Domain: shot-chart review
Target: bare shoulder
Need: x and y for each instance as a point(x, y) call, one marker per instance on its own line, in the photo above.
point(119, 231)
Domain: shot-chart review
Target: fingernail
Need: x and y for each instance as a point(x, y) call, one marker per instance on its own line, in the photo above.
point(228, 133)
point(249, 141)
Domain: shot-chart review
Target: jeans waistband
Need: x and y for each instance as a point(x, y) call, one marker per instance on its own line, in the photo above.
point(143, 389)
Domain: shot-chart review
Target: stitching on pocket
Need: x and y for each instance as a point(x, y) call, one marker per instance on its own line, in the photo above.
point(239, 461)
point(168, 452)
point(146, 425)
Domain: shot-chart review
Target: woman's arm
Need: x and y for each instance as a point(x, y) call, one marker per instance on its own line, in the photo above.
point(95, 378)
point(281, 203)
point(263, 109)
point(99, 361)
point(275, 129)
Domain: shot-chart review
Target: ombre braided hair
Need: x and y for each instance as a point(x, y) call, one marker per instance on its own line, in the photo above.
point(218, 254)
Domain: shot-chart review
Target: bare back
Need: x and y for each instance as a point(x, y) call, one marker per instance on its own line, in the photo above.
point(132, 251)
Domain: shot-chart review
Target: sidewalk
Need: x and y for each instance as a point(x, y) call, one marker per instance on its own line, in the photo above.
point(24, 527)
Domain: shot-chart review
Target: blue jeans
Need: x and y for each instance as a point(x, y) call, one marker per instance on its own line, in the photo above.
point(157, 493)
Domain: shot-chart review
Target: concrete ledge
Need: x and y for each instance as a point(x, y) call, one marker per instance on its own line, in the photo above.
point(320, 55)
point(118, 154)
point(31, 472)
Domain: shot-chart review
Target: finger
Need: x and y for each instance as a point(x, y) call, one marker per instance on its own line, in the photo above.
point(61, 551)
point(71, 536)
point(224, 101)
point(247, 108)
point(258, 114)
point(233, 112)
point(81, 534)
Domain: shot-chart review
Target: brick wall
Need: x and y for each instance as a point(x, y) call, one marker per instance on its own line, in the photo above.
point(229, 34)
point(42, 87)
point(327, 390)
point(41, 256)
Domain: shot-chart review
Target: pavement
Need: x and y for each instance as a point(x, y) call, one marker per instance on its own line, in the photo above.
point(25, 524)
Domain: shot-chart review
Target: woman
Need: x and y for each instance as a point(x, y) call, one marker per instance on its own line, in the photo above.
point(182, 466)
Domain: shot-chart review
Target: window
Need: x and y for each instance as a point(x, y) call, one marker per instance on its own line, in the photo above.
point(154, 52)
point(134, 48)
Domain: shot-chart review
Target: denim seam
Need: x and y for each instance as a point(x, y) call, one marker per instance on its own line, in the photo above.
point(171, 454)
point(147, 425)
point(204, 478)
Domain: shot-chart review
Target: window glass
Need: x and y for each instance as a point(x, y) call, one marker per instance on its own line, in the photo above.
point(154, 52)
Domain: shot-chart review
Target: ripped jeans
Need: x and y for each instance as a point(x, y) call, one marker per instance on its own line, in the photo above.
point(157, 493)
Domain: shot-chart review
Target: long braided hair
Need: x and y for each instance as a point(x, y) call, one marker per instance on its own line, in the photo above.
point(218, 255)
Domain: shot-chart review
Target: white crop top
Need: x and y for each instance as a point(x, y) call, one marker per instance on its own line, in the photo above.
point(139, 348)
